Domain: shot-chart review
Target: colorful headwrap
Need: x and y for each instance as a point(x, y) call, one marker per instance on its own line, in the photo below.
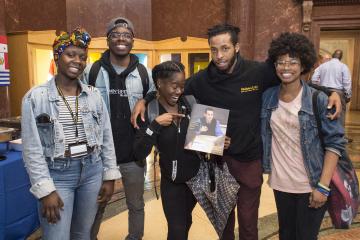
point(79, 38)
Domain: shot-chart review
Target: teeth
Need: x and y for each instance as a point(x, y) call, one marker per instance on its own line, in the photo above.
point(121, 46)
point(286, 75)
point(73, 69)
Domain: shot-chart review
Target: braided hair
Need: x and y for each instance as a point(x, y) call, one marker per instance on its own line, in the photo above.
point(166, 70)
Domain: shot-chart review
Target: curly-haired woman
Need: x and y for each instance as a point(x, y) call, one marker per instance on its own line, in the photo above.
point(300, 171)
point(68, 145)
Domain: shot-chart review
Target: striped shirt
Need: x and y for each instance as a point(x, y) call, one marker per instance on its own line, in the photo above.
point(68, 124)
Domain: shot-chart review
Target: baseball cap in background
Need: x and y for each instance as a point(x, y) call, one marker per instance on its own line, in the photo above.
point(119, 22)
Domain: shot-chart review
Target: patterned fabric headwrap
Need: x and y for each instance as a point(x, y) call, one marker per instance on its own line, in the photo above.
point(79, 38)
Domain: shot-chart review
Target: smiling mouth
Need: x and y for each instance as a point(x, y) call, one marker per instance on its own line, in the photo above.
point(175, 99)
point(222, 64)
point(74, 69)
point(121, 46)
point(286, 75)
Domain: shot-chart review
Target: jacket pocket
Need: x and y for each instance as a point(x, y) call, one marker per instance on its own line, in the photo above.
point(46, 134)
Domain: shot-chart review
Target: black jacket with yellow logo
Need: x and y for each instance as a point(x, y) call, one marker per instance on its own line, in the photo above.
point(240, 92)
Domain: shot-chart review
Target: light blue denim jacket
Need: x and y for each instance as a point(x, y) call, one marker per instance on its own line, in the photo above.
point(43, 142)
point(313, 155)
point(133, 85)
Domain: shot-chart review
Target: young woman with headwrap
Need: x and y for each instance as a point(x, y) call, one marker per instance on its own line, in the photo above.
point(68, 145)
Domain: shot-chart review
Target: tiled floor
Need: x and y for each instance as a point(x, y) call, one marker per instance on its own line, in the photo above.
point(155, 222)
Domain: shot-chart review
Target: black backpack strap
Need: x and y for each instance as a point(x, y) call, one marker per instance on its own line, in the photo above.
point(152, 113)
point(317, 116)
point(190, 100)
point(152, 110)
point(144, 78)
point(94, 71)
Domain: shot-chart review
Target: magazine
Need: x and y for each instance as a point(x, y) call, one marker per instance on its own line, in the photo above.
point(207, 129)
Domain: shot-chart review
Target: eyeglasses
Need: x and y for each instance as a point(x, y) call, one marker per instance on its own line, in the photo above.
point(118, 35)
point(283, 63)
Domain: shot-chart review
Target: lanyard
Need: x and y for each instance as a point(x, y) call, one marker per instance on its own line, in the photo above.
point(76, 117)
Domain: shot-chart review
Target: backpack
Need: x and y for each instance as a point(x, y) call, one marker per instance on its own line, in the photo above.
point(152, 113)
point(344, 198)
point(95, 68)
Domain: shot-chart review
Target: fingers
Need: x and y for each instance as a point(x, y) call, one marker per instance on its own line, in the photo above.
point(167, 118)
point(101, 195)
point(51, 206)
point(139, 109)
point(106, 192)
point(317, 200)
point(61, 204)
point(52, 214)
point(334, 101)
point(132, 120)
point(56, 213)
point(177, 114)
point(142, 113)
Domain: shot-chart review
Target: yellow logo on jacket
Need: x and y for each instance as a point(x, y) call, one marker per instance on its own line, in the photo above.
point(249, 89)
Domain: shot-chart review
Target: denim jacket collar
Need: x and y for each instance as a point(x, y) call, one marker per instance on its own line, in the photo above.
point(306, 99)
point(54, 94)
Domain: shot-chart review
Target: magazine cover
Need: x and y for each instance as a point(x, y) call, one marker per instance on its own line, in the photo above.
point(207, 129)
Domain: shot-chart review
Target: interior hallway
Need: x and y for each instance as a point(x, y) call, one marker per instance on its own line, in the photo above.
point(155, 222)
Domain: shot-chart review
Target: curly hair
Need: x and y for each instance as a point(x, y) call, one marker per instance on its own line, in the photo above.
point(296, 45)
point(166, 70)
point(224, 28)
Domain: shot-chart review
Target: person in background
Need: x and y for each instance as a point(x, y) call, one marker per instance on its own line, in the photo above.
point(336, 76)
point(68, 147)
point(325, 58)
point(300, 171)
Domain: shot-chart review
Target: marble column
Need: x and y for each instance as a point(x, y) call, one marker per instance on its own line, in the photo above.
point(241, 13)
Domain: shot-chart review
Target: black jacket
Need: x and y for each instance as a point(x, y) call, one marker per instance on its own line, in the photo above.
point(240, 92)
point(170, 143)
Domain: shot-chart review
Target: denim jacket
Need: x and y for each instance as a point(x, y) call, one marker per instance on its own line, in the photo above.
point(42, 142)
point(313, 155)
point(133, 85)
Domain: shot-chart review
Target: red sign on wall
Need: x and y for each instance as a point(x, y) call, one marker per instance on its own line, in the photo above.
point(4, 63)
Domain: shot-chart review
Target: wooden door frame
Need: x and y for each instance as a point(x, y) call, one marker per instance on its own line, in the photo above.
point(341, 23)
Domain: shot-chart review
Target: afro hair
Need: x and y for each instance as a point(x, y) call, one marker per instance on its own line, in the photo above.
point(296, 45)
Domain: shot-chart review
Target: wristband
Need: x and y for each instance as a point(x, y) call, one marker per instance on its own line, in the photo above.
point(323, 186)
point(323, 191)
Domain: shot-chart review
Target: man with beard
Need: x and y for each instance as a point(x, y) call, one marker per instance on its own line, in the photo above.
point(234, 83)
point(122, 81)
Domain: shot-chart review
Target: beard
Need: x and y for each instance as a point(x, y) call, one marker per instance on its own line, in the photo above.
point(232, 62)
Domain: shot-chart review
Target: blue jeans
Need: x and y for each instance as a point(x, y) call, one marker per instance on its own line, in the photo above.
point(77, 181)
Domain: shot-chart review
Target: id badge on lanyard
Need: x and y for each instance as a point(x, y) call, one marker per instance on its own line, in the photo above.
point(78, 149)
